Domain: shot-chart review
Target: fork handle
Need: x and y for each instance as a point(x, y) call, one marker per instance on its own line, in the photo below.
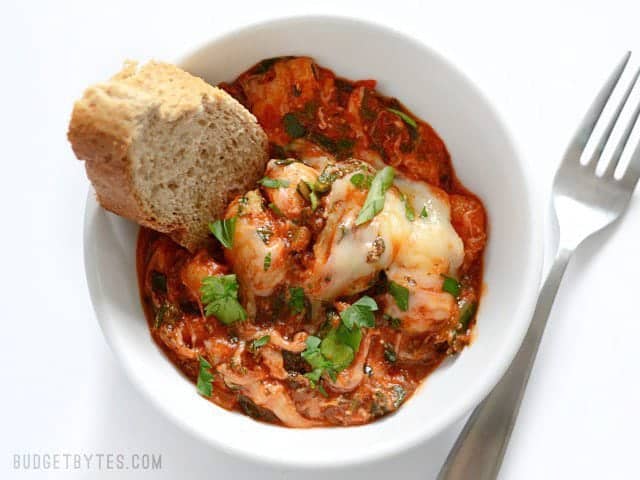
point(480, 447)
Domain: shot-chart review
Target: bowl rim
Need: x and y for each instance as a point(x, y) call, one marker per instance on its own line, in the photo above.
point(459, 407)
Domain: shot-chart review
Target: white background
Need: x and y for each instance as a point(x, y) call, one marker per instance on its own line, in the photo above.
point(62, 390)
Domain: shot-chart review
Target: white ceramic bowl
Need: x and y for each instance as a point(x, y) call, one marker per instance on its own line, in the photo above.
point(486, 161)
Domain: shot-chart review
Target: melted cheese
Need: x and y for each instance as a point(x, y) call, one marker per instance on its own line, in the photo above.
point(433, 246)
point(348, 258)
point(287, 198)
point(249, 250)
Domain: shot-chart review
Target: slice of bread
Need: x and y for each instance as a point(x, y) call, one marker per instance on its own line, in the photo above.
point(166, 149)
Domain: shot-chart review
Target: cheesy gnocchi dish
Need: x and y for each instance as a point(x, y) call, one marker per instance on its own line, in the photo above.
point(333, 288)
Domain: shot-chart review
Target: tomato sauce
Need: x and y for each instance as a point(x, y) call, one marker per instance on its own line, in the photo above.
point(308, 111)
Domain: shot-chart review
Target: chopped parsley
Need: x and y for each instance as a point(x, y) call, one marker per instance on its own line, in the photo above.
point(408, 208)
point(308, 192)
point(466, 314)
point(220, 298)
point(205, 377)
point(274, 208)
point(338, 348)
point(360, 314)
point(292, 126)
point(296, 299)
point(324, 141)
point(424, 213)
point(357, 179)
point(326, 178)
point(360, 180)
point(267, 261)
point(344, 144)
point(314, 357)
point(314, 200)
point(340, 147)
point(160, 315)
point(451, 285)
point(260, 342)
point(393, 321)
point(405, 118)
point(269, 182)
point(350, 337)
point(389, 353)
point(400, 294)
point(374, 202)
point(223, 230)
point(304, 189)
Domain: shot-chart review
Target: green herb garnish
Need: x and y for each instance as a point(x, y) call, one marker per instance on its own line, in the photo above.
point(405, 118)
point(360, 180)
point(326, 178)
point(466, 314)
point(316, 359)
point(451, 285)
point(357, 179)
point(339, 147)
point(344, 144)
point(338, 348)
point(424, 213)
point(292, 126)
point(400, 294)
point(351, 337)
point(314, 201)
point(223, 230)
point(205, 377)
point(160, 315)
point(336, 351)
point(389, 353)
point(307, 191)
point(269, 182)
point(296, 299)
point(220, 298)
point(324, 141)
point(408, 208)
point(393, 321)
point(274, 208)
point(304, 189)
point(267, 261)
point(260, 342)
point(374, 202)
point(360, 314)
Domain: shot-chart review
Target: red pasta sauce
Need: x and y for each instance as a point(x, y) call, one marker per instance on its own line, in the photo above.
point(257, 366)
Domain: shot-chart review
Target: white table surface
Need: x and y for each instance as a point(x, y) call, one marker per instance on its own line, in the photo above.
point(63, 391)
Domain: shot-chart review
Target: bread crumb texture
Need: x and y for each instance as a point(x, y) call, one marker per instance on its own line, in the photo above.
point(166, 149)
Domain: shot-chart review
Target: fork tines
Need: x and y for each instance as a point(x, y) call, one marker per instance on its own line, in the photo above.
point(593, 116)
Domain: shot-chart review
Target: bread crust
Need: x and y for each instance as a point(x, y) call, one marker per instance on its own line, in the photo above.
point(106, 120)
point(106, 164)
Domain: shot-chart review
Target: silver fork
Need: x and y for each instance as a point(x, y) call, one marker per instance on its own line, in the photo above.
point(584, 204)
